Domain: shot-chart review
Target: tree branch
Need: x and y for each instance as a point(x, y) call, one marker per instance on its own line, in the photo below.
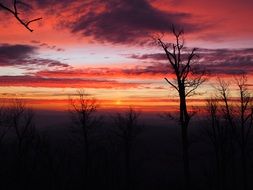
point(16, 15)
point(171, 84)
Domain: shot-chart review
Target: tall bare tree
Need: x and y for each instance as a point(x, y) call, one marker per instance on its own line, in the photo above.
point(245, 122)
point(218, 134)
point(228, 113)
point(21, 121)
point(235, 128)
point(14, 11)
point(83, 112)
point(4, 123)
point(128, 129)
point(188, 77)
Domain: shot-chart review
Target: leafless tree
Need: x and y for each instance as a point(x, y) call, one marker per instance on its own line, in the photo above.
point(14, 11)
point(22, 121)
point(245, 122)
point(218, 134)
point(227, 110)
point(128, 128)
point(188, 77)
point(224, 95)
point(225, 141)
point(83, 113)
point(234, 131)
point(4, 123)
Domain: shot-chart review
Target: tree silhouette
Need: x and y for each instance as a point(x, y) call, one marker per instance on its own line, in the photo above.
point(218, 134)
point(83, 110)
point(231, 126)
point(15, 13)
point(227, 110)
point(188, 77)
point(128, 128)
point(4, 123)
point(21, 121)
point(245, 122)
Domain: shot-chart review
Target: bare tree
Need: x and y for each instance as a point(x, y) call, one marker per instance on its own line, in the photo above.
point(218, 134)
point(227, 109)
point(21, 121)
point(83, 110)
point(4, 123)
point(187, 79)
point(128, 129)
point(14, 11)
point(245, 122)
point(234, 130)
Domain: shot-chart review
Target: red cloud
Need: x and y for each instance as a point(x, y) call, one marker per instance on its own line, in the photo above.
point(33, 81)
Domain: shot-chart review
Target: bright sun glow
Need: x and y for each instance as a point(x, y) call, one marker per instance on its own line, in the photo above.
point(118, 102)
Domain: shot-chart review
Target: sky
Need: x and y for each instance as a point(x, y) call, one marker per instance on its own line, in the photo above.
point(106, 48)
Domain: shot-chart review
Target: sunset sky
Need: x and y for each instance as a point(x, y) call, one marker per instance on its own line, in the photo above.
point(105, 47)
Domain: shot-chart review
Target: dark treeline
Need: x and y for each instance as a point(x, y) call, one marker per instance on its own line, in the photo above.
point(121, 151)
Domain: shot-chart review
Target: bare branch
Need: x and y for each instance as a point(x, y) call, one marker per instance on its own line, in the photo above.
point(194, 84)
point(127, 123)
point(185, 86)
point(186, 69)
point(16, 15)
point(168, 54)
point(171, 84)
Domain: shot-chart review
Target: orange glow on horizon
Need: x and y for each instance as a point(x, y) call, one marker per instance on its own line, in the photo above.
point(117, 68)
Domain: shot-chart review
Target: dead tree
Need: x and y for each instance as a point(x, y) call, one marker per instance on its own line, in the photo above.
point(4, 123)
point(22, 121)
point(128, 128)
point(14, 11)
point(187, 79)
point(237, 117)
point(22, 125)
point(245, 122)
point(218, 134)
point(227, 110)
point(83, 110)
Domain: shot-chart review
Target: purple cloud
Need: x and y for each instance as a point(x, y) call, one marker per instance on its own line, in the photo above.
point(128, 21)
point(35, 81)
point(25, 56)
point(216, 61)
point(17, 51)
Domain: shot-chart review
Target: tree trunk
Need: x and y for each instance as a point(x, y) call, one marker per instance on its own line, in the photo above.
point(184, 121)
point(185, 145)
point(244, 167)
point(243, 148)
point(128, 167)
point(86, 159)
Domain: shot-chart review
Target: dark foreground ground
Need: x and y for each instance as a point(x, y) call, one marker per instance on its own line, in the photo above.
point(54, 157)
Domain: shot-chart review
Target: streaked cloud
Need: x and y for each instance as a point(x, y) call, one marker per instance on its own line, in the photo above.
point(33, 81)
point(216, 61)
point(128, 21)
point(25, 56)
